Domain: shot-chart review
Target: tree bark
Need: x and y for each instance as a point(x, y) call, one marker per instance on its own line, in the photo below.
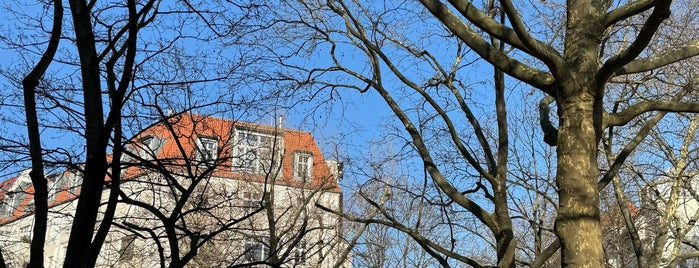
point(577, 223)
point(95, 165)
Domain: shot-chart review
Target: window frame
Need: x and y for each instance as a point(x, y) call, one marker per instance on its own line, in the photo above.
point(250, 200)
point(300, 252)
point(299, 165)
point(256, 152)
point(256, 248)
point(205, 154)
point(146, 151)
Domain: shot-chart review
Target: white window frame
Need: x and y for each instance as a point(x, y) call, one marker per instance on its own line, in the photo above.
point(207, 149)
point(256, 152)
point(257, 248)
point(303, 166)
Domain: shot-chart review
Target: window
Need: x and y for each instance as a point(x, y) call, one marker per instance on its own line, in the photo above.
point(254, 153)
point(251, 199)
point(303, 166)
point(127, 247)
point(148, 147)
point(56, 184)
point(29, 207)
point(26, 232)
point(75, 182)
point(8, 204)
point(207, 149)
point(300, 252)
point(256, 248)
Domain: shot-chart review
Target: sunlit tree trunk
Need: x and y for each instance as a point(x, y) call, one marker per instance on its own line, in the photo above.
point(577, 224)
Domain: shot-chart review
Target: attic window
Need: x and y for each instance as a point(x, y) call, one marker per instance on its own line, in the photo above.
point(207, 148)
point(147, 141)
point(148, 147)
point(255, 152)
point(303, 166)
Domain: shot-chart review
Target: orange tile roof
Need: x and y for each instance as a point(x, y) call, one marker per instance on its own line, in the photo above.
point(175, 152)
point(613, 217)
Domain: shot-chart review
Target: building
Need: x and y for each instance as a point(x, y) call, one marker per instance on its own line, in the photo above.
point(665, 223)
point(200, 190)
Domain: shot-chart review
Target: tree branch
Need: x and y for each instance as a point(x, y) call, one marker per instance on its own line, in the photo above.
point(534, 77)
point(660, 13)
point(432, 248)
point(628, 149)
point(550, 131)
point(538, 49)
point(650, 63)
point(545, 255)
point(627, 11)
point(623, 117)
point(29, 84)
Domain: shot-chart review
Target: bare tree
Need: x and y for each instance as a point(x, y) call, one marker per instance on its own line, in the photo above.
point(189, 187)
point(121, 54)
point(569, 59)
point(577, 77)
point(468, 176)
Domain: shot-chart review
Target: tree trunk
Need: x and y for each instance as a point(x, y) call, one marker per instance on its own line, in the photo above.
point(577, 224)
point(95, 165)
point(506, 245)
point(579, 99)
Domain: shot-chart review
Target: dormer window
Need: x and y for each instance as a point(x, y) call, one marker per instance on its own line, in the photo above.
point(207, 148)
point(303, 166)
point(254, 153)
point(147, 147)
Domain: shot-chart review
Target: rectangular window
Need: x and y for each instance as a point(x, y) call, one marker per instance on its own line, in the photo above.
point(8, 204)
point(127, 247)
point(256, 248)
point(254, 153)
point(207, 149)
point(56, 184)
point(29, 207)
point(300, 252)
point(303, 166)
point(251, 200)
point(26, 232)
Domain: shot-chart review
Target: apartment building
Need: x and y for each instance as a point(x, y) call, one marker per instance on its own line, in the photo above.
point(204, 191)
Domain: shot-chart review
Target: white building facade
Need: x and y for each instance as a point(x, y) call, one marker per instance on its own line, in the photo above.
point(200, 192)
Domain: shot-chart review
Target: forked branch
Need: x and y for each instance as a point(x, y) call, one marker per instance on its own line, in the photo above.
point(627, 11)
point(532, 76)
point(660, 13)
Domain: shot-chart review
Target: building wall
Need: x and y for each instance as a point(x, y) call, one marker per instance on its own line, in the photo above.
point(224, 207)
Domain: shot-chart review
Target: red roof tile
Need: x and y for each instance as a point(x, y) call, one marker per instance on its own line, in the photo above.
point(179, 135)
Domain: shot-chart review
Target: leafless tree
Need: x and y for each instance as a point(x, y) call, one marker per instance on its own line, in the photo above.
point(570, 59)
point(98, 75)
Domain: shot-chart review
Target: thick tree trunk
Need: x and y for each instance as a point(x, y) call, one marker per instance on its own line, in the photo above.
point(577, 224)
point(579, 98)
point(95, 165)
